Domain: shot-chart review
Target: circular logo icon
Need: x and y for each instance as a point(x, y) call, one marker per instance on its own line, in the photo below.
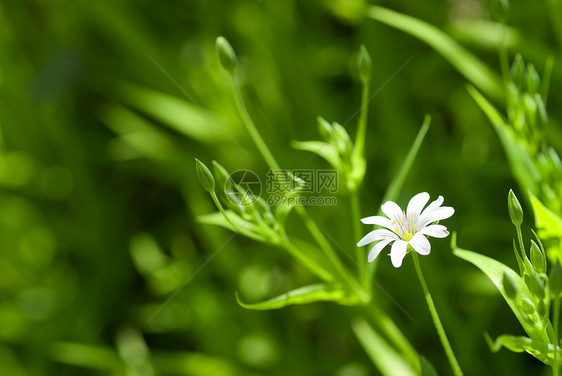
point(242, 187)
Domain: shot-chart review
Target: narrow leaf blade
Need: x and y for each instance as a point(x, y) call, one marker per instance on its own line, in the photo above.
point(302, 295)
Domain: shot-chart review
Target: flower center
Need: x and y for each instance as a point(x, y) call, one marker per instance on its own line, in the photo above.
point(405, 228)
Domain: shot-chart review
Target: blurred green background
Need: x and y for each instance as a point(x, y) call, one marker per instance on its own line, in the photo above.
point(104, 106)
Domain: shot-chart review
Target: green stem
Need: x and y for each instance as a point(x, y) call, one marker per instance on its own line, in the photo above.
point(247, 120)
point(330, 253)
point(521, 246)
point(360, 251)
point(440, 330)
point(312, 266)
point(272, 163)
point(362, 127)
point(223, 212)
point(556, 318)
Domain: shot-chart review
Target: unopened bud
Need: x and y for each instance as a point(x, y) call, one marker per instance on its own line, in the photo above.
point(536, 286)
point(537, 258)
point(364, 64)
point(205, 176)
point(515, 210)
point(226, 54)
point(509, 286)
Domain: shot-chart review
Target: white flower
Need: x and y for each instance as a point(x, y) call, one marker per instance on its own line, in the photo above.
point(407, 228)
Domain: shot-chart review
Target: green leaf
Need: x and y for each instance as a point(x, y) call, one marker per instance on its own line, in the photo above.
point(462, 60)
point(302, 295)
point(541, 350)
point(521, 164)
point(427, 368)
point(388, 361)
point(495, 271)
point(246, 228)
point(178, 114)
point(398, 181)
point(549, 227)
point(322, 149)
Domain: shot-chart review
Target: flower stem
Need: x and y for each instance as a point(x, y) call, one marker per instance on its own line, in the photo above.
point(556, 318)
point(440, 330)
point(360, 251)
point(312, 266)
point(272, 163)
point(362, 127)
point(247, 120)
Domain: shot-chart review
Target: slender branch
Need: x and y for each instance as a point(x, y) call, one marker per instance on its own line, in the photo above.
point(440, 330)
point(307, 262)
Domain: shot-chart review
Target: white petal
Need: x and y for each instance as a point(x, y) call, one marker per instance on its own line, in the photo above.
point(392, 210)
point(435, 215)
point(380, 234)
point(416, 205)
point(378, 220)
point(420, 244)
point(435, 204)
point(398, 252)
point(378, 248)
point(437, 231)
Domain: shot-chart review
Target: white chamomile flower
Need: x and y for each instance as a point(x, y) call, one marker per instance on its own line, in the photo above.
point(407, 228)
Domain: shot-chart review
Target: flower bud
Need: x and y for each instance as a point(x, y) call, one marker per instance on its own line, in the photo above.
point(542, 309)
point(515, 210)
point(364, 64)
point(532, 79)
point(536, 286)
point(537, 258)
point(226, 54)
point(325, 129)
point(205, 176)
point(518, 71)
point(526, 305)
point(555, 281)
point(509, 286)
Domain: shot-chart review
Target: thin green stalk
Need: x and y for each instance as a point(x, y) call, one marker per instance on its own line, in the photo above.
point(223, 212)
point(308, 263)
point(247, 120)
point(330, 253)
point(272, 163)
point(440, 330)
point(360, 251)
point(521, 245)
point(556, 318)
point(362, 127)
